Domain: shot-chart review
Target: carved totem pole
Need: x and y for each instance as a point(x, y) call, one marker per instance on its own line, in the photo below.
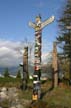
point(38, 26)
point(25, 68)
point(55, 66)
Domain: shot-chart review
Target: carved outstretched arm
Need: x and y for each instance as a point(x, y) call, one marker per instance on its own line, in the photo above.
point(32, 25)
point(48, 21)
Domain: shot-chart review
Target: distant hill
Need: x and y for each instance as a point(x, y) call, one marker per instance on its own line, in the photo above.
point(12, 70)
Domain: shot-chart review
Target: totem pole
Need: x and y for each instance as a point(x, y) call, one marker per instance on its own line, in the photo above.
point(38, 26)
point(25, 68)
point(55, 66)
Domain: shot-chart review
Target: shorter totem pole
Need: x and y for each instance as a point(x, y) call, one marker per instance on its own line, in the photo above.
point(38, 26)
point(25, 75)
point(55, 66)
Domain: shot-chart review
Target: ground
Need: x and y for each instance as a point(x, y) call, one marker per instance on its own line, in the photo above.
point(59, 97)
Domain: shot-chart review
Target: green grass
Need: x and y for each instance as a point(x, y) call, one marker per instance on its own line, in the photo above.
point(59, 97)
point(27, 94)
point(5, 104)
point(10, 82)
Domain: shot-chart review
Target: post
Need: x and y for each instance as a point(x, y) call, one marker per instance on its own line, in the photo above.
point(55, 66)
point(25, 68)
point(38, 26)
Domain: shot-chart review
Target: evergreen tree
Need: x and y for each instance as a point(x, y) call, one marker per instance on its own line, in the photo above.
point(18, 74)
point(6, 73)
point(65, 34)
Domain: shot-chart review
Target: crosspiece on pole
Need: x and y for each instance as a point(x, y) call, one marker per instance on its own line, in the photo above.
point(43, 24)
point(38, 26)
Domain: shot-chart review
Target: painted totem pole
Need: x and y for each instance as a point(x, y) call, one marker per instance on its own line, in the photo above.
point(25, 68)
point(55, 66)
point(38, 26)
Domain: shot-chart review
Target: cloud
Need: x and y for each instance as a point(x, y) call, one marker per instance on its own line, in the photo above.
point(46, 57)
point(46, 46)
point(10, 53)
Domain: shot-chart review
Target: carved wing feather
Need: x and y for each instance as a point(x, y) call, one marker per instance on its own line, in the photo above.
point(31, 24)
point(48, 21)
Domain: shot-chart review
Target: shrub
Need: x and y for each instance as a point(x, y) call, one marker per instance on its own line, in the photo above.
point(6, 73)
point(18, 74)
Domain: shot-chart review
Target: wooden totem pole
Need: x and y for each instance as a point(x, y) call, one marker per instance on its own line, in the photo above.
point(55, 66)
point(25, 68)
point(38, 26)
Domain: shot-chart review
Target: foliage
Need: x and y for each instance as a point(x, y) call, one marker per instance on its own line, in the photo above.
point(18, 74)
point(6, 73)
point(10, 82)
point(63, 22)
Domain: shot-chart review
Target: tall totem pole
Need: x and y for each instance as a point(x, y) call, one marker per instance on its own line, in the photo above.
point(38, 26)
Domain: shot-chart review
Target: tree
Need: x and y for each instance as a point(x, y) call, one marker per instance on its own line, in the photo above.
point(63, 22)
point(18, 74)
point(6, 73)
point(65, 34)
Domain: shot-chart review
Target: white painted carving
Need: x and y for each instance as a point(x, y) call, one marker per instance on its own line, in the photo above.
point(43, 24)
point(48, 21)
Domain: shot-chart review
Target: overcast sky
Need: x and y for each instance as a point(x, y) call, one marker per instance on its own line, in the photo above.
point(14, 30)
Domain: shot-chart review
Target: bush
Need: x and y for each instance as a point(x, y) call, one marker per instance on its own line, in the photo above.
point(18, 74)
point(6, 73)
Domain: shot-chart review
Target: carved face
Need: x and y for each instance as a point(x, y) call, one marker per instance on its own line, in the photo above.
point(38, 21)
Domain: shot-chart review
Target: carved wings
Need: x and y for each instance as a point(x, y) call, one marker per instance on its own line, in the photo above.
point(32, 25)
point(43, 24)
point(48, 21)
